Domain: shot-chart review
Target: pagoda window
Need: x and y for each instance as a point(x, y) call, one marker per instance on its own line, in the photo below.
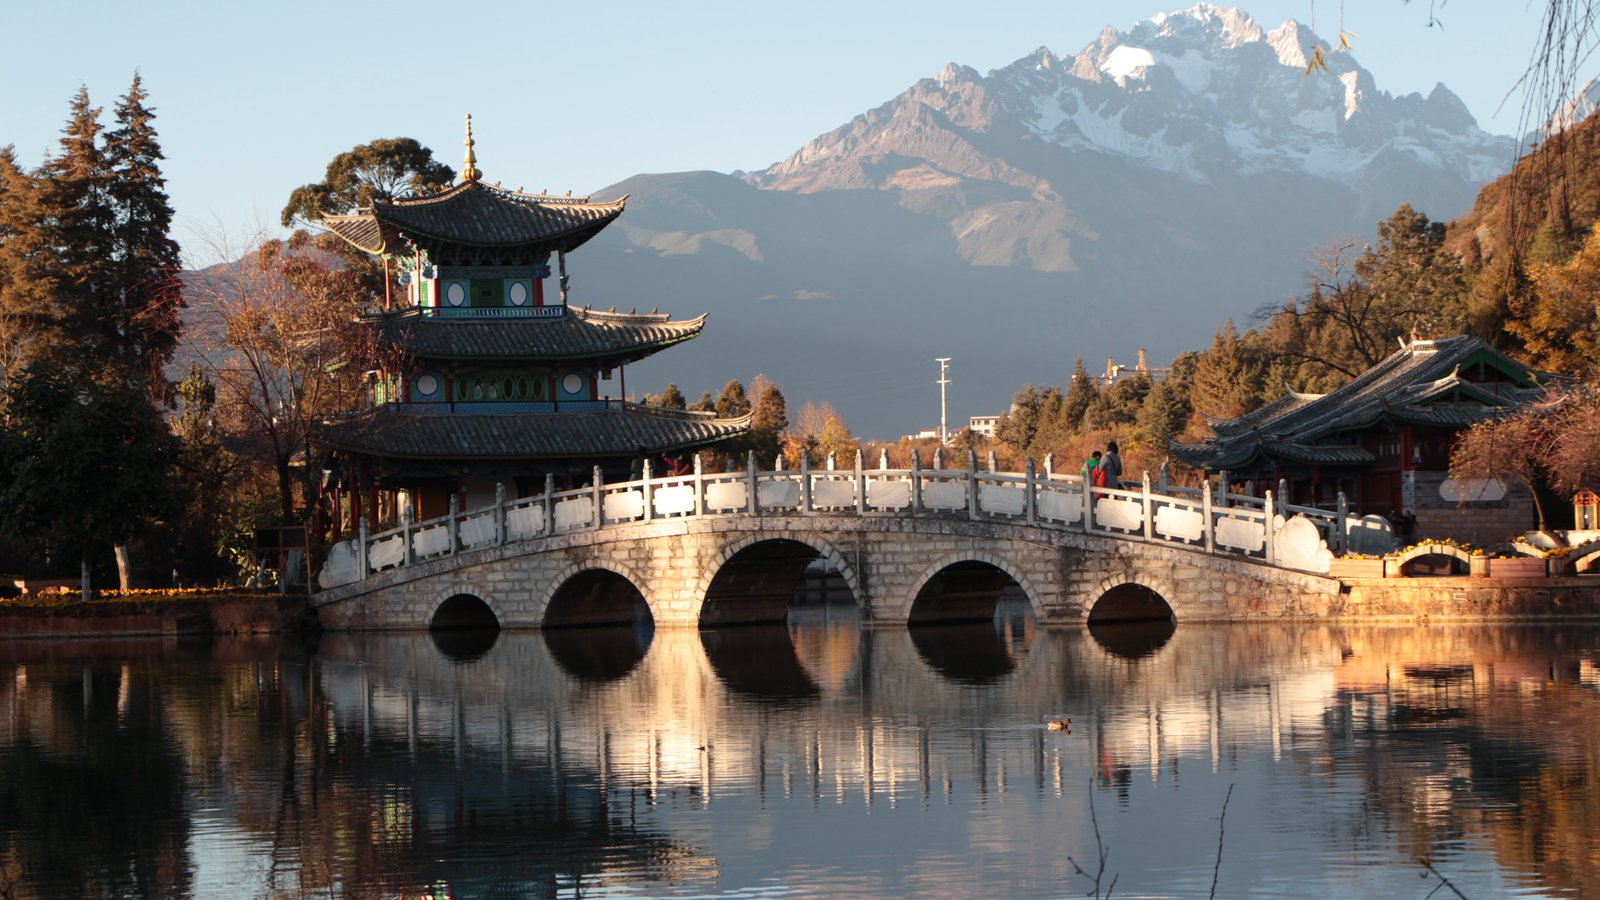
point(487, 292)
point(575, 386)
point(455, 293)
point(501, 385)
point(426, 388)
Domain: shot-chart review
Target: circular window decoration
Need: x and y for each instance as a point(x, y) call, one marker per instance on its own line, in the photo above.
point(572, 383)
point(523, 387)
point(427, 385)
point(518, 295)
point(456, 293)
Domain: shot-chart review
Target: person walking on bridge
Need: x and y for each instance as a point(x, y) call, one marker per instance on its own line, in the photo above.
point(1112, 464)
point(1089, 466)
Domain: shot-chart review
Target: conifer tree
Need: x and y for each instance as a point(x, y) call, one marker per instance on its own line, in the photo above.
point(1227, 378)
point(768, 420)
point(77, 220)
point(1081, 392)
point(149, 294)
point(732, 402)
point(22, 305)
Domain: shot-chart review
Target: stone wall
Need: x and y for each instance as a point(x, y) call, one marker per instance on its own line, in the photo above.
point(1475, 599)
point(267, 614)
point(1479, 523)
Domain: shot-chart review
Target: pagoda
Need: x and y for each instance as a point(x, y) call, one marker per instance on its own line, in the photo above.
point(499, 383)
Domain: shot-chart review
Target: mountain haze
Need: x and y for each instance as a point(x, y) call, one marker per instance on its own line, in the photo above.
point(1133, 194)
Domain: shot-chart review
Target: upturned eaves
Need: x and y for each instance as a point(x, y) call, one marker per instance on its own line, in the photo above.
point(578, 334)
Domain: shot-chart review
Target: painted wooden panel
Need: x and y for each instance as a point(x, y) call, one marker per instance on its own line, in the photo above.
point(1002, 499)
point(672, 501)
point(833, 494)
point(1183, 524)
point(778, 494)
point(726, 495)
point(574, 513)
point(1241, 534)
point(888, 494)
point(1127, 515)
point(1062, 506)
point(944, 495)
point(624, 505)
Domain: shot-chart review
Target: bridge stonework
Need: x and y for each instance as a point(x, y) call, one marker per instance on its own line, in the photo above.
point(885, 560)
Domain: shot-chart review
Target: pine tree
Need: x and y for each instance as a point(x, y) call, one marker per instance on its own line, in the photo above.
point(732, 402)
point(146, 310)
point(1081, 392)
point(1227, 377)
point(24, 289)
point(79, 222)
point(768, 420)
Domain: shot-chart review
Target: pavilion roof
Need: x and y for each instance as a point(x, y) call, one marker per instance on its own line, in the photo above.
point(386, 431)
point(474, 214)
point(1420, 384)
point(577, 334)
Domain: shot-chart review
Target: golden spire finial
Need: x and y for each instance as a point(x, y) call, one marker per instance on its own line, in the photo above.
point(469, 170)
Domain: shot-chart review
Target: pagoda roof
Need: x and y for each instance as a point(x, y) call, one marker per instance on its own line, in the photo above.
point(576, 334)
point(474, 214)
point(387, 431)
point(1419, 384)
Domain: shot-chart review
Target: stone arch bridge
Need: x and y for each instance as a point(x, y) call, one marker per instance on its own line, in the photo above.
point(911, 545)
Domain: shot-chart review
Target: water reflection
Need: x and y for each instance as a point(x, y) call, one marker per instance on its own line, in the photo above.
point(1132, 640)
point(599, 653)
point(465, 645)
point(813, 759)
point(758, 661)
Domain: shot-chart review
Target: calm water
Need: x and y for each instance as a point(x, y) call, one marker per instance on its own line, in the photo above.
point(808, 761)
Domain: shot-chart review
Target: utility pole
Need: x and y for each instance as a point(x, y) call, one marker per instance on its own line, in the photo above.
point(943, 382)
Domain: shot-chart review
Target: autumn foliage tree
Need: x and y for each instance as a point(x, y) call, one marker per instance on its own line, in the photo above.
point(277, 329)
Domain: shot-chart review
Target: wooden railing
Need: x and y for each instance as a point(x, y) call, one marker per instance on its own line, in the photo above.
point(1229, 524)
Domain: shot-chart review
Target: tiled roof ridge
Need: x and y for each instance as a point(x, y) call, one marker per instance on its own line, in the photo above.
point(692, 415)
point(611, 316)
point(595, 316)
point(495, 190)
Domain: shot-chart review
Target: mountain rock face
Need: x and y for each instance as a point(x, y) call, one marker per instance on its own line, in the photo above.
point(1132, 195)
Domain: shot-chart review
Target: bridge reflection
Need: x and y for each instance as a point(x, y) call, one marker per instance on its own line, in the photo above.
point(545, 759)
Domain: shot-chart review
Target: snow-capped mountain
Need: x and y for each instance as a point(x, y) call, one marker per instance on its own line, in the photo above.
point(1206, 94)
point(1133, 194)
point(1582, 105)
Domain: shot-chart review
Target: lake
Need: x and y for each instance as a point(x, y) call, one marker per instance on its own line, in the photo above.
point(817, 759)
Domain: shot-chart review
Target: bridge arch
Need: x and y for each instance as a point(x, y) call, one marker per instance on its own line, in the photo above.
point(718, 563)
point(447, 606)
point(1462, 560)
point(1006, 567)
point(1132, 598)
point(614, 567)
point(1585, 558)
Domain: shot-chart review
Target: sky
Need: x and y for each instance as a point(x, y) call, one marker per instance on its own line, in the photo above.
point(255, 99)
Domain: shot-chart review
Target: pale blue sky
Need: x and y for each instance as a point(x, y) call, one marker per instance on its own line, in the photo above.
point(254, 99)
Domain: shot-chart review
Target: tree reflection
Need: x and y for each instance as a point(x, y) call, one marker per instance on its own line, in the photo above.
point(91, 792)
